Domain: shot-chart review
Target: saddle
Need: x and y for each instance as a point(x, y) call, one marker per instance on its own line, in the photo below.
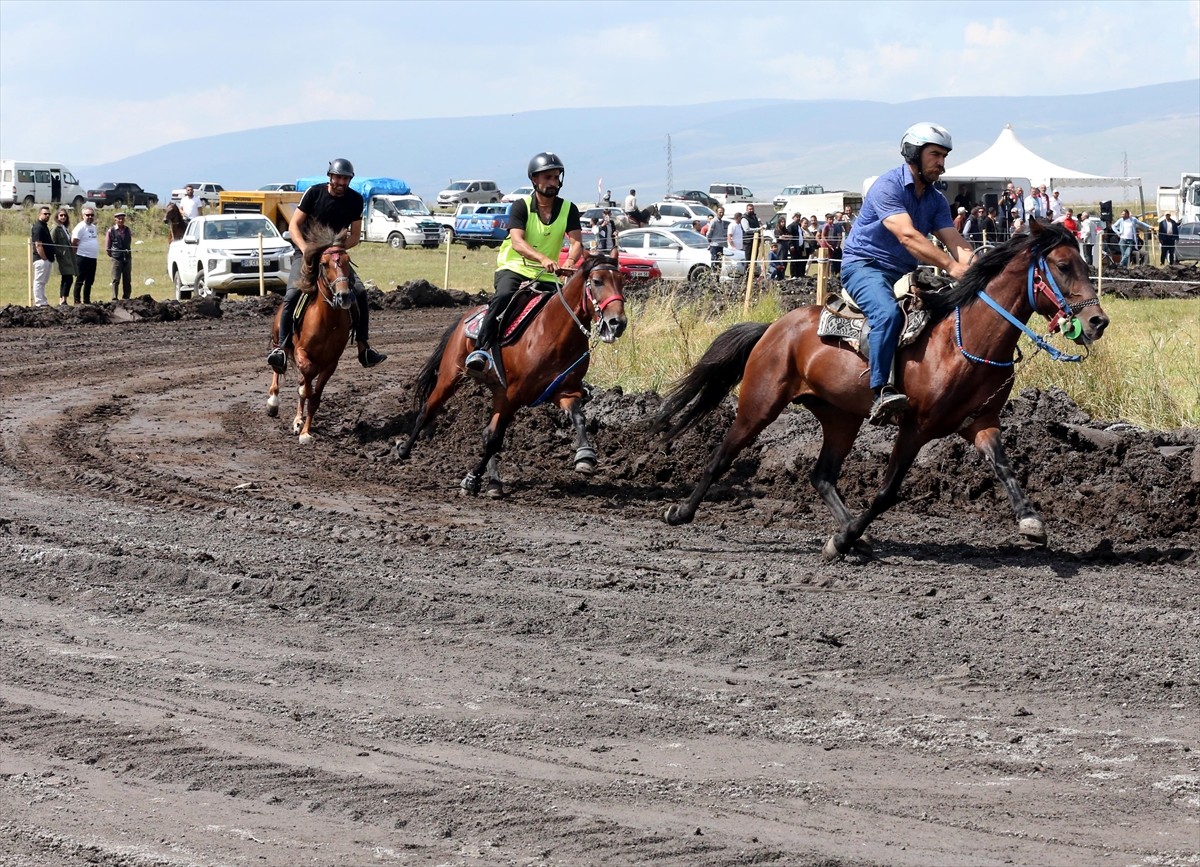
point(522, 308)
point(842, 319)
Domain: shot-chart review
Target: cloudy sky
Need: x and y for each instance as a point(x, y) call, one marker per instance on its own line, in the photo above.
point(90, 82)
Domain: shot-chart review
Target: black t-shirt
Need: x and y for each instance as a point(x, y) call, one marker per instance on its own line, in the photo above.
point(518, 215)
point(41, 234)
point(335, 212)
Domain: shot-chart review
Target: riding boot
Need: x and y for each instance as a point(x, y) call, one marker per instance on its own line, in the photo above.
point(367, 356)
point(480, 359)
point(277, 357)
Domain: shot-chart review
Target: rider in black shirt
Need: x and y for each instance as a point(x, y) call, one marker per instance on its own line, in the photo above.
point(337, 207)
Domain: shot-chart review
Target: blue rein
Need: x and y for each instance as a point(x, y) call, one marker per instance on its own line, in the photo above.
point(1041, 343)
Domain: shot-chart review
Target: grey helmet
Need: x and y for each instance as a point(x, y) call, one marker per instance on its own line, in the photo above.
point(920, 134)
point(544, 161)
point(341, 166)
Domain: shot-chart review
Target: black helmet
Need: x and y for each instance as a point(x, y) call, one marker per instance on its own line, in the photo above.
point(544, 161)
point(341, 166)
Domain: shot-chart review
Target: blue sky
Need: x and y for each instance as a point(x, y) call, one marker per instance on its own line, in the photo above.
point(105, 80)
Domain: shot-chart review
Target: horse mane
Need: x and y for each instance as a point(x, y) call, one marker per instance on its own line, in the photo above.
point(596, 259)
point(320, 238)
point(992, 262)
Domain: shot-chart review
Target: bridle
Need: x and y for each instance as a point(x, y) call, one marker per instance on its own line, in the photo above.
point(326, 288)
point(589, 296)
point(1039, 281)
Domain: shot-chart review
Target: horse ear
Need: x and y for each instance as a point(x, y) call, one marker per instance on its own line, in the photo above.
point(1035, 227)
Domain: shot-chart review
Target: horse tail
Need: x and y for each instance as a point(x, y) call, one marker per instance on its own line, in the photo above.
point(703, 388)
point(428, 377)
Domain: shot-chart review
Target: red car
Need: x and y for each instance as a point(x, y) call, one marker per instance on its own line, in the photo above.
point(632, 268)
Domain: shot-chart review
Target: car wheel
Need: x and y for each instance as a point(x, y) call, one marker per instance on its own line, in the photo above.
point(701, 274)
point(152, 202)
point(447, 234)
point(493, 200)
point(201, 289)
point(78, 202)
point(472, 245)
point(28, 202)
point(396, 241)
point(178, 281)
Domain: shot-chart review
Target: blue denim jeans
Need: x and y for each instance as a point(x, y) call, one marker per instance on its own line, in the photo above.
point(871, 288)
point(1126, 250)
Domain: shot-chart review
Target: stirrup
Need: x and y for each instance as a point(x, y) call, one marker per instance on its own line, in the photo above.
point(479, 361)
point(887, 407)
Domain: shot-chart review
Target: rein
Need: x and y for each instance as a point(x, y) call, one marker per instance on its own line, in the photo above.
point(1039, 281)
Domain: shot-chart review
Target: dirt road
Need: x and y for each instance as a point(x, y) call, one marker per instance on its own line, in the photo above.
point(218, 647)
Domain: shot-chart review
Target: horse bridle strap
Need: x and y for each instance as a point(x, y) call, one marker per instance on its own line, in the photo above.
point(1048, 288)
point(331, 287)
point(616, 296)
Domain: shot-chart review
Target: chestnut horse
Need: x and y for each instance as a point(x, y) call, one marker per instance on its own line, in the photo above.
point(324, 330)
point(173, 217)
point(957, 376)
point(547, 362)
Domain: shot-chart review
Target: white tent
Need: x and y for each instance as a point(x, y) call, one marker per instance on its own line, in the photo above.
point(1007, 158)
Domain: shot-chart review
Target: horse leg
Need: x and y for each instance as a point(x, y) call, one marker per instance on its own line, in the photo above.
point(585, 455)
point(985, 436)
point(839, 431)
point(273, 396)
point(302, 392)
point(493, 441)
point(315, 389)
point(904, 452)
point(758, 406)
point(493, 489)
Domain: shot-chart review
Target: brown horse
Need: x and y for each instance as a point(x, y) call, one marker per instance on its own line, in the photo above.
point(957, 376)
point(173, 217)
point(324, 331)
point(547, 362)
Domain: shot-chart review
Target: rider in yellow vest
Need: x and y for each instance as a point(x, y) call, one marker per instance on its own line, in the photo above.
point(537, 225)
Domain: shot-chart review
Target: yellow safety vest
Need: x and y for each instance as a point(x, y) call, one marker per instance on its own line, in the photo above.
point(546, 239)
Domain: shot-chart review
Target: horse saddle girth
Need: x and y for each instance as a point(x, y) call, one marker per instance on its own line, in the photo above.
point(522, 308)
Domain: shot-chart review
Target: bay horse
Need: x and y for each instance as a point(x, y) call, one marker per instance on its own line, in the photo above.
point(176, 224)
point(324, 330)
point(639, 218)
point(547, 362)
point(957, 375)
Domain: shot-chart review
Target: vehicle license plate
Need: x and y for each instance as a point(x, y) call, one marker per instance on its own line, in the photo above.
point(250, 263)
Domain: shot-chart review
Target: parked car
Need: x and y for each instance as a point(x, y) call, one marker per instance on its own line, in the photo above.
point(672, 212)
point(518, 193)
point(588, 218)
point(206, 191)
point(1187, 245)
point(122, 193)
point(681, 254)
point(693, 196)
point(728, 194)
point(219, 253)
point(277, 188)
point(632, 268)
point(487, 225)
point(468, 191)
point(791, 192)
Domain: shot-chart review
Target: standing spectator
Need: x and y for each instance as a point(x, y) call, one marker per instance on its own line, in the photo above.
point(189, 206)
point(606, 235)
point(796, 254)
point(607, 201)
point(1168, 234)
point(1035, 208)
point(64, 254)
point(960, 220)
point(826, 240)
point(737, 233)
point(991, 226)
point(118, 244)
point(783, 241)
point(1088, 235)
point(776, 265)
point(85, 241)
point(718, 236)
point(1055, 206)
point(1126, 230)
point(1068, 220)
point(980, 228)
point(753, 229)
point(43, 256)
point(1019, 200)
point(1004, 211)
point(963, 199)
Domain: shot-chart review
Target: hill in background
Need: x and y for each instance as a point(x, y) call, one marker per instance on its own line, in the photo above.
point(1150, 132)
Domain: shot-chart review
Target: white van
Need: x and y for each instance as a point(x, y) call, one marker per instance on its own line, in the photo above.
point(728, 194)
point(29, 183)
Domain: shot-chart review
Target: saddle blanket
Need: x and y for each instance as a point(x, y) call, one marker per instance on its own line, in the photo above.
point(526, 303)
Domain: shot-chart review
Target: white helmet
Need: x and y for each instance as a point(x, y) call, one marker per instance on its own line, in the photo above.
point(920, 134)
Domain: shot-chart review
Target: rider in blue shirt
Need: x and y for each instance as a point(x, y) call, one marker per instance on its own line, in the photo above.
point(890, 238)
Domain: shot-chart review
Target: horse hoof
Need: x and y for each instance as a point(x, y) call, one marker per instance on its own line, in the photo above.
point(306, 439)
point(297, 425)
point(585, 467)
point(494, 490)
point(469, 486)
point(674, 517)
point(830, 551)
point(1032, 530)
point(863, 548)
point(272, 410)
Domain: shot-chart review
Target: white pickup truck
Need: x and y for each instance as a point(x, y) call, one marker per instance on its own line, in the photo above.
point(401, 221)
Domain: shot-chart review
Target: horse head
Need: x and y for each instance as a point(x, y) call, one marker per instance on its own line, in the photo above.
point(1059, 285)
point(327, 269)
point(602, 282)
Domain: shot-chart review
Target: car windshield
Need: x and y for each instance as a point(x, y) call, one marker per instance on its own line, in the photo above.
point(461, 185)
point(410, 206)
point(107, 186)
point(689, 238)
point(240, 229)
point(492, 209)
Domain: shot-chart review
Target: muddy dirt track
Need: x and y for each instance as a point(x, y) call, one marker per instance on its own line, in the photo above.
point(218, 647)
